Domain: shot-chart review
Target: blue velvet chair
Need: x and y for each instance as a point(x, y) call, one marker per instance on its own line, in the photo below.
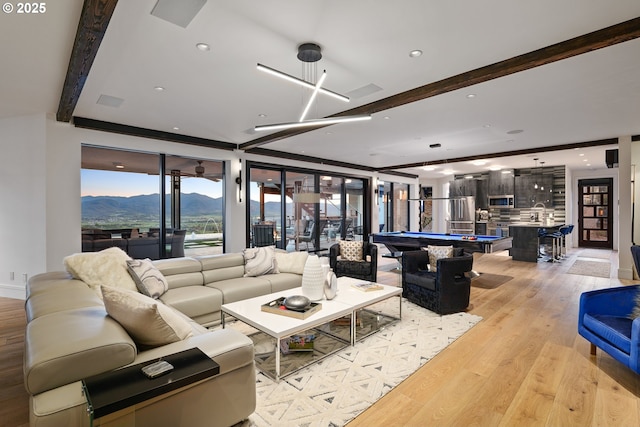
point(605, 321)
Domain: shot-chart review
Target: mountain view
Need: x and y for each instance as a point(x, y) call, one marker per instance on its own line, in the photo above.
point(198, 213)
point(197, 210)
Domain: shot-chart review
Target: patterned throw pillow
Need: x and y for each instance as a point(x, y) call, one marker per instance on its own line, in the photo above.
point(259, 261)
point(149, 280)
point(437, 252)
point(351, 250)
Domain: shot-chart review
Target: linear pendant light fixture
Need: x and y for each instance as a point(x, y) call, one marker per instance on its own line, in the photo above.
point(316, 122)
point(303, 83)
point(313, 95)
point(308, 53)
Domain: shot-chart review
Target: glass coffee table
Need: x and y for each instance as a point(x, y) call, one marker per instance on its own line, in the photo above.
point(342, 321)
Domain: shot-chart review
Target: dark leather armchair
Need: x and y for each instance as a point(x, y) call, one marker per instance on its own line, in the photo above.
point(444, 291)
point(365, 270)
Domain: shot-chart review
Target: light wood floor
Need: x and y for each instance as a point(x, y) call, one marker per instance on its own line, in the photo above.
point(524, 364)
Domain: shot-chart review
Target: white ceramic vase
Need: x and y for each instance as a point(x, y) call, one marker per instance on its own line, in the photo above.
point(330, 284)
point(313, 279)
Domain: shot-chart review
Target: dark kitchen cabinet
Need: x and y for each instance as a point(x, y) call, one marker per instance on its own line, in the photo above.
point(482, 194)
point(462, 187)
point(526, 193)
point(501, 183)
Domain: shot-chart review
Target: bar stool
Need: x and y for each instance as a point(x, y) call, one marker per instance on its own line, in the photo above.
point(565, 230)
point(542, 233)
point(554, 237)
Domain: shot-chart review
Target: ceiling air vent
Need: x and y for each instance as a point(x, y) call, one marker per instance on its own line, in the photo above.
point(110, 101)
point(179, 12)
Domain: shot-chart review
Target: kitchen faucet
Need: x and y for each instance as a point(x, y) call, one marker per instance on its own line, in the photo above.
point(544, 211)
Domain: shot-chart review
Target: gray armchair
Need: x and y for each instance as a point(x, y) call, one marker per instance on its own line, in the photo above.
point(444, 291)
point(365, 270)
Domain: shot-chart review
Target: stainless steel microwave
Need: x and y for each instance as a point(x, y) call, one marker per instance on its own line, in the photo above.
point(504, 202)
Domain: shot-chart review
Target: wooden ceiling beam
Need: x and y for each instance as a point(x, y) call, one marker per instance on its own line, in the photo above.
point(536, 150)
point(615, 34)
point(93, 24)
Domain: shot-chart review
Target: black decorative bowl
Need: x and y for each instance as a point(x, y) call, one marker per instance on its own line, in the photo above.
point(297, 302)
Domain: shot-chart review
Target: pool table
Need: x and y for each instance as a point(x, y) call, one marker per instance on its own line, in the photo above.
point(398, 241)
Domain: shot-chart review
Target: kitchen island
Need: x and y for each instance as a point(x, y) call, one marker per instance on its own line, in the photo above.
point(525, 240)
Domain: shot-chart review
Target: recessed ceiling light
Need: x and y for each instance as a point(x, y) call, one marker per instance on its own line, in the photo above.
point(429, 168)
point(386, 117)
point(415, 53)
point(158, 88)
point(176, 128)
point(471, 95)
point(479, 162)
point(581, 154)
point(495, 168)
point(515, 131)
point(486, 125)
point(118, 165)
point(262, 115)
point(203, 47)
point(468, 177)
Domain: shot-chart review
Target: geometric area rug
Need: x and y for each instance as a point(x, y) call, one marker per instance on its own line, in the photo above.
point(338, 388)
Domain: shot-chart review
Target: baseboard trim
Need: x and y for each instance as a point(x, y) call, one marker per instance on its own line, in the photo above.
point(12, 291)
point(625, 273)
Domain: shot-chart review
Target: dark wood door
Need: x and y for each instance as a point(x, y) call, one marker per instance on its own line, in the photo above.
point(595, 213)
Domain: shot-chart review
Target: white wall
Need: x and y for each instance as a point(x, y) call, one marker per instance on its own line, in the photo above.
point(23, 215)
point(40, 192)
point(635, 173)
point(625, 268)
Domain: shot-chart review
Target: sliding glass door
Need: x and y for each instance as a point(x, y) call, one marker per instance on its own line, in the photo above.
point(393, 206)
point(309, 210)
point(121, 204)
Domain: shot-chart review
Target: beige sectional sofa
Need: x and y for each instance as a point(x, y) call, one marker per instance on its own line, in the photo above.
point(70, 336)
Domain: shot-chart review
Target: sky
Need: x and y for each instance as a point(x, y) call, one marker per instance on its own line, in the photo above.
point(126, 184)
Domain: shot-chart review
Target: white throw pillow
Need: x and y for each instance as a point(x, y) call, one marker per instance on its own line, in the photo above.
point(149, 280)
point(291, 262)
point(105, 268)
point(149, 322)
point(259, 261)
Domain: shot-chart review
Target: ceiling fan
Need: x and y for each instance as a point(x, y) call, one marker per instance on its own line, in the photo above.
point(200, 169)
point(199, 172)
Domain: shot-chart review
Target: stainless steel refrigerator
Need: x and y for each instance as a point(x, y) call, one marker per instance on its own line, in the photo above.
point(462, 219)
